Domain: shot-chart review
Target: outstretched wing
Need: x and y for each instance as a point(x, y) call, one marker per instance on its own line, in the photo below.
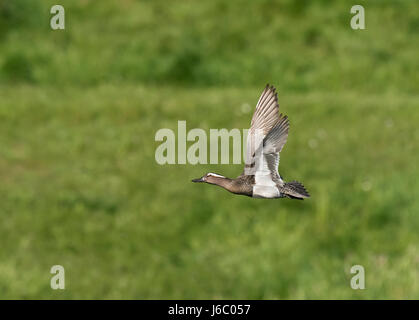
point(277, 136)
point(264, 119)
point(272, 146)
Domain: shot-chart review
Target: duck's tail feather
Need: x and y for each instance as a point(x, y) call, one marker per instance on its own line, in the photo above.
point(295, 190)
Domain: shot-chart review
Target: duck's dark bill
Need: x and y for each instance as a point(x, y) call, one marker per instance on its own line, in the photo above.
point(198, 180)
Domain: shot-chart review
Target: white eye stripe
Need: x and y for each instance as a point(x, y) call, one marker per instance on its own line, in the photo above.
point(215, 175)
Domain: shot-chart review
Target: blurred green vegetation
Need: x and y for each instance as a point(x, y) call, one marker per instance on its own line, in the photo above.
point(302, 45)
point(80, 187)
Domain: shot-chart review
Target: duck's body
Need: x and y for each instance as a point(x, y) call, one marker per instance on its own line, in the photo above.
point(246, 185)
point(267, 136)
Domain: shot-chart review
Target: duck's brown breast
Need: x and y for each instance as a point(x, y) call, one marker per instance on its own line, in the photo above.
point(243, 185)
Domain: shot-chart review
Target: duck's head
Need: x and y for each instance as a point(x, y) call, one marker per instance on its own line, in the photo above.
point(210, 177)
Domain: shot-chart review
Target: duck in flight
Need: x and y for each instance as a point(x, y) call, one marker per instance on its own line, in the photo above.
point(267, 136)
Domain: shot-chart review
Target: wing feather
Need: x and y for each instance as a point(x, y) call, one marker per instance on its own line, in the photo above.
point(264, 118)
point(277, 137)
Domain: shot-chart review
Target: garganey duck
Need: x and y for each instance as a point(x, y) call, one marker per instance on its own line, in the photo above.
point(267, 136)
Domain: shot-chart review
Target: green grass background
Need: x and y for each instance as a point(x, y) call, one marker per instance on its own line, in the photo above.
point(79, 185)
